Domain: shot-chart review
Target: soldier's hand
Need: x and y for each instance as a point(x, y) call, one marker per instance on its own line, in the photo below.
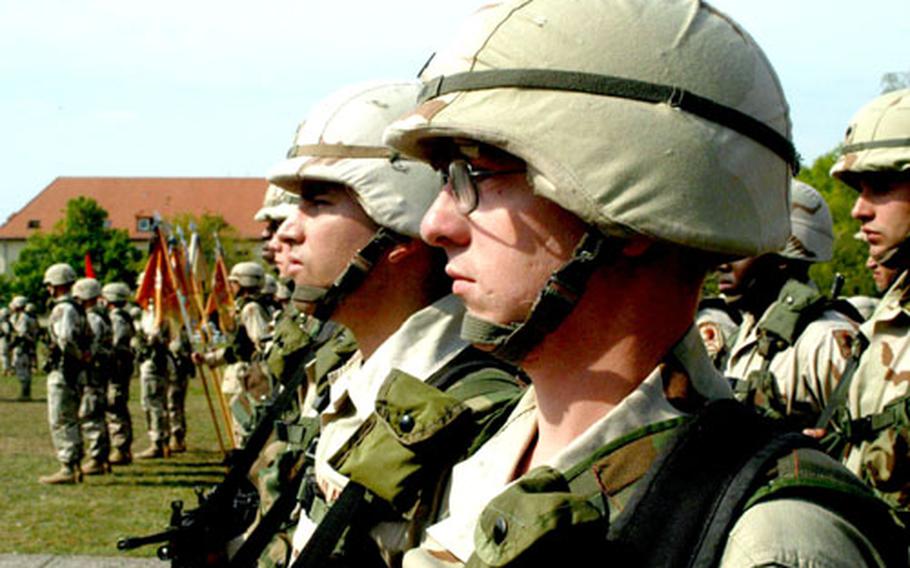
point(198, 358)
point(816, 433)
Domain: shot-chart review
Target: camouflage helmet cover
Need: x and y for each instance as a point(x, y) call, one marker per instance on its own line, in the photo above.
point(116, 292)
point(623, 165)
point(247, 275)
point(341, 142)
point(87, 289)
point(18, 302)
point(812, 229)
point(277, 205)
point(59, 274)
point(877, 140)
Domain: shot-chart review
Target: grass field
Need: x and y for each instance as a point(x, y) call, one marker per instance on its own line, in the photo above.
point(89, 518)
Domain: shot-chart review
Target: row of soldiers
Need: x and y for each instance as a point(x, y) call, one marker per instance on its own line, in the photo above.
point(18, 339)
point(492, 346)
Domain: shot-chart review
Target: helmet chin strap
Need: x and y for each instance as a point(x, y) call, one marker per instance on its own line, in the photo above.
point(896, 257)
point(327, 299)
point(512, 342)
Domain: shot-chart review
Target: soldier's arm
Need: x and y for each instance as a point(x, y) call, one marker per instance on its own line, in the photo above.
point(256, 321)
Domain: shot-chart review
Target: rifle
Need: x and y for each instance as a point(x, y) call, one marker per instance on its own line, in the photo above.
point(199, 537)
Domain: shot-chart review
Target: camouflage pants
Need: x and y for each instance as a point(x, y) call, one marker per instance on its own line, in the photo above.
point(153, 386)
point(176, 404)
point(63, 398)
point(4, 355)
point(119, 422)
point(163, 399)
point(91, 413)
point(22, 364)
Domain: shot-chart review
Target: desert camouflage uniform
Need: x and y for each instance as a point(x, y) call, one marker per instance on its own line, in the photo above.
point(70, 339)
point(154, 372)
point(241, 383)
point(5, 335)
point(119, 422)
point(25, 338)
point(480, 478)
point(425, 344)
point(882, 379)
point(94, 395)
point(805, 373)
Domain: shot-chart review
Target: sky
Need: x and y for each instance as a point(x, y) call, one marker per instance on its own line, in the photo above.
point(216, 88)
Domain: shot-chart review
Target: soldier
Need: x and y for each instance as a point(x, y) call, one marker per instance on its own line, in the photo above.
point(92, 410)
point(793, 343)
point(718, 324)
point(356, 258)
point(5, 333)
point(156, 370)
point(595, 173)
point(119, 421)
point(269, 302)
point(875, 161)
point(24, 335)
point(243, 379)
point(883, 276)
point(277, 205)
point(67, 363)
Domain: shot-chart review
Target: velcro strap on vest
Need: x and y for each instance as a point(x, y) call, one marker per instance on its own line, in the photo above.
point(620, 87)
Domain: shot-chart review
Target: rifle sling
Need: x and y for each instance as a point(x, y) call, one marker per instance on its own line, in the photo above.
point(328, 532)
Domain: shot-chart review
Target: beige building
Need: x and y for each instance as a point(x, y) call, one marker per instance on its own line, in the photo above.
point(132, 202)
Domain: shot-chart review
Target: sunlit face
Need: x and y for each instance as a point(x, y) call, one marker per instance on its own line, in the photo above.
point(501, 254)
point(281, 248)
point(267, 234)
point(328, 228)
point(883, 208)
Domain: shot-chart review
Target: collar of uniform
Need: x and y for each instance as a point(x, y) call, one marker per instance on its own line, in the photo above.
point(425, 342)
point(895, 304)
point(484, 475)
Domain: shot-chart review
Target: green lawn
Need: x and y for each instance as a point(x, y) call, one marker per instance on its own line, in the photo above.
point(89, 518)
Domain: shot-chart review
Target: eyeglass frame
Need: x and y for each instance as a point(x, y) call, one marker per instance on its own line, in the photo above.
point(467, 195)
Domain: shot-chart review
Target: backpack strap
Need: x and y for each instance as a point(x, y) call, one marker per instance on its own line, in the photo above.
point(708, 488)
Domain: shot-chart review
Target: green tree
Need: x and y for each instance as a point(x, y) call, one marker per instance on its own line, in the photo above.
point(895, 81)
point(849, 253)
point(236, 249)
point(83, 230)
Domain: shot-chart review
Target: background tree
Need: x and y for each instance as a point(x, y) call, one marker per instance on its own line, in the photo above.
point(895, 81)
point(236, 249)
point(84, 229)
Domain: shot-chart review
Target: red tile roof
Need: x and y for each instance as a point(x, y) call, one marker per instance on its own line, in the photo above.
point(126, 199)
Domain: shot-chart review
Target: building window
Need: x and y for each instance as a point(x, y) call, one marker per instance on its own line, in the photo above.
point(144, 224)
point(34, 224)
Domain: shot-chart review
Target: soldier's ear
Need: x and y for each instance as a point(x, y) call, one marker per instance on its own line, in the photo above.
point(402, 251)
point(636, 245)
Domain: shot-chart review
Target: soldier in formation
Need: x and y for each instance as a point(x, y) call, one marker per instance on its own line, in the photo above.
point(874, 430)
point(554, 215)
point(67, 366)
point(794, 343)
point(87, 292)
point(24, 338)
point(120, 372)
point(243, 380)
point(5, 334)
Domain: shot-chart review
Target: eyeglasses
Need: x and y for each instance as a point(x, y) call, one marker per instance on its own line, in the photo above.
point(465, 178)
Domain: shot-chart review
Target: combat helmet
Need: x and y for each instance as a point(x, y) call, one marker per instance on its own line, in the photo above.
point(812, 229)
point(877, 140)
point(116, 292)
point(87, 289)
point(59, 274)
point(31, 309)
point(18, 302)
point(666, 120)
point(270, 286)
point(341, 142)
point(247, 275)
point(277, 205)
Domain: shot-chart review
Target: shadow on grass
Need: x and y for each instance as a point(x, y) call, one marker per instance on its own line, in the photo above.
point(188, 483)
point(18, 401)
